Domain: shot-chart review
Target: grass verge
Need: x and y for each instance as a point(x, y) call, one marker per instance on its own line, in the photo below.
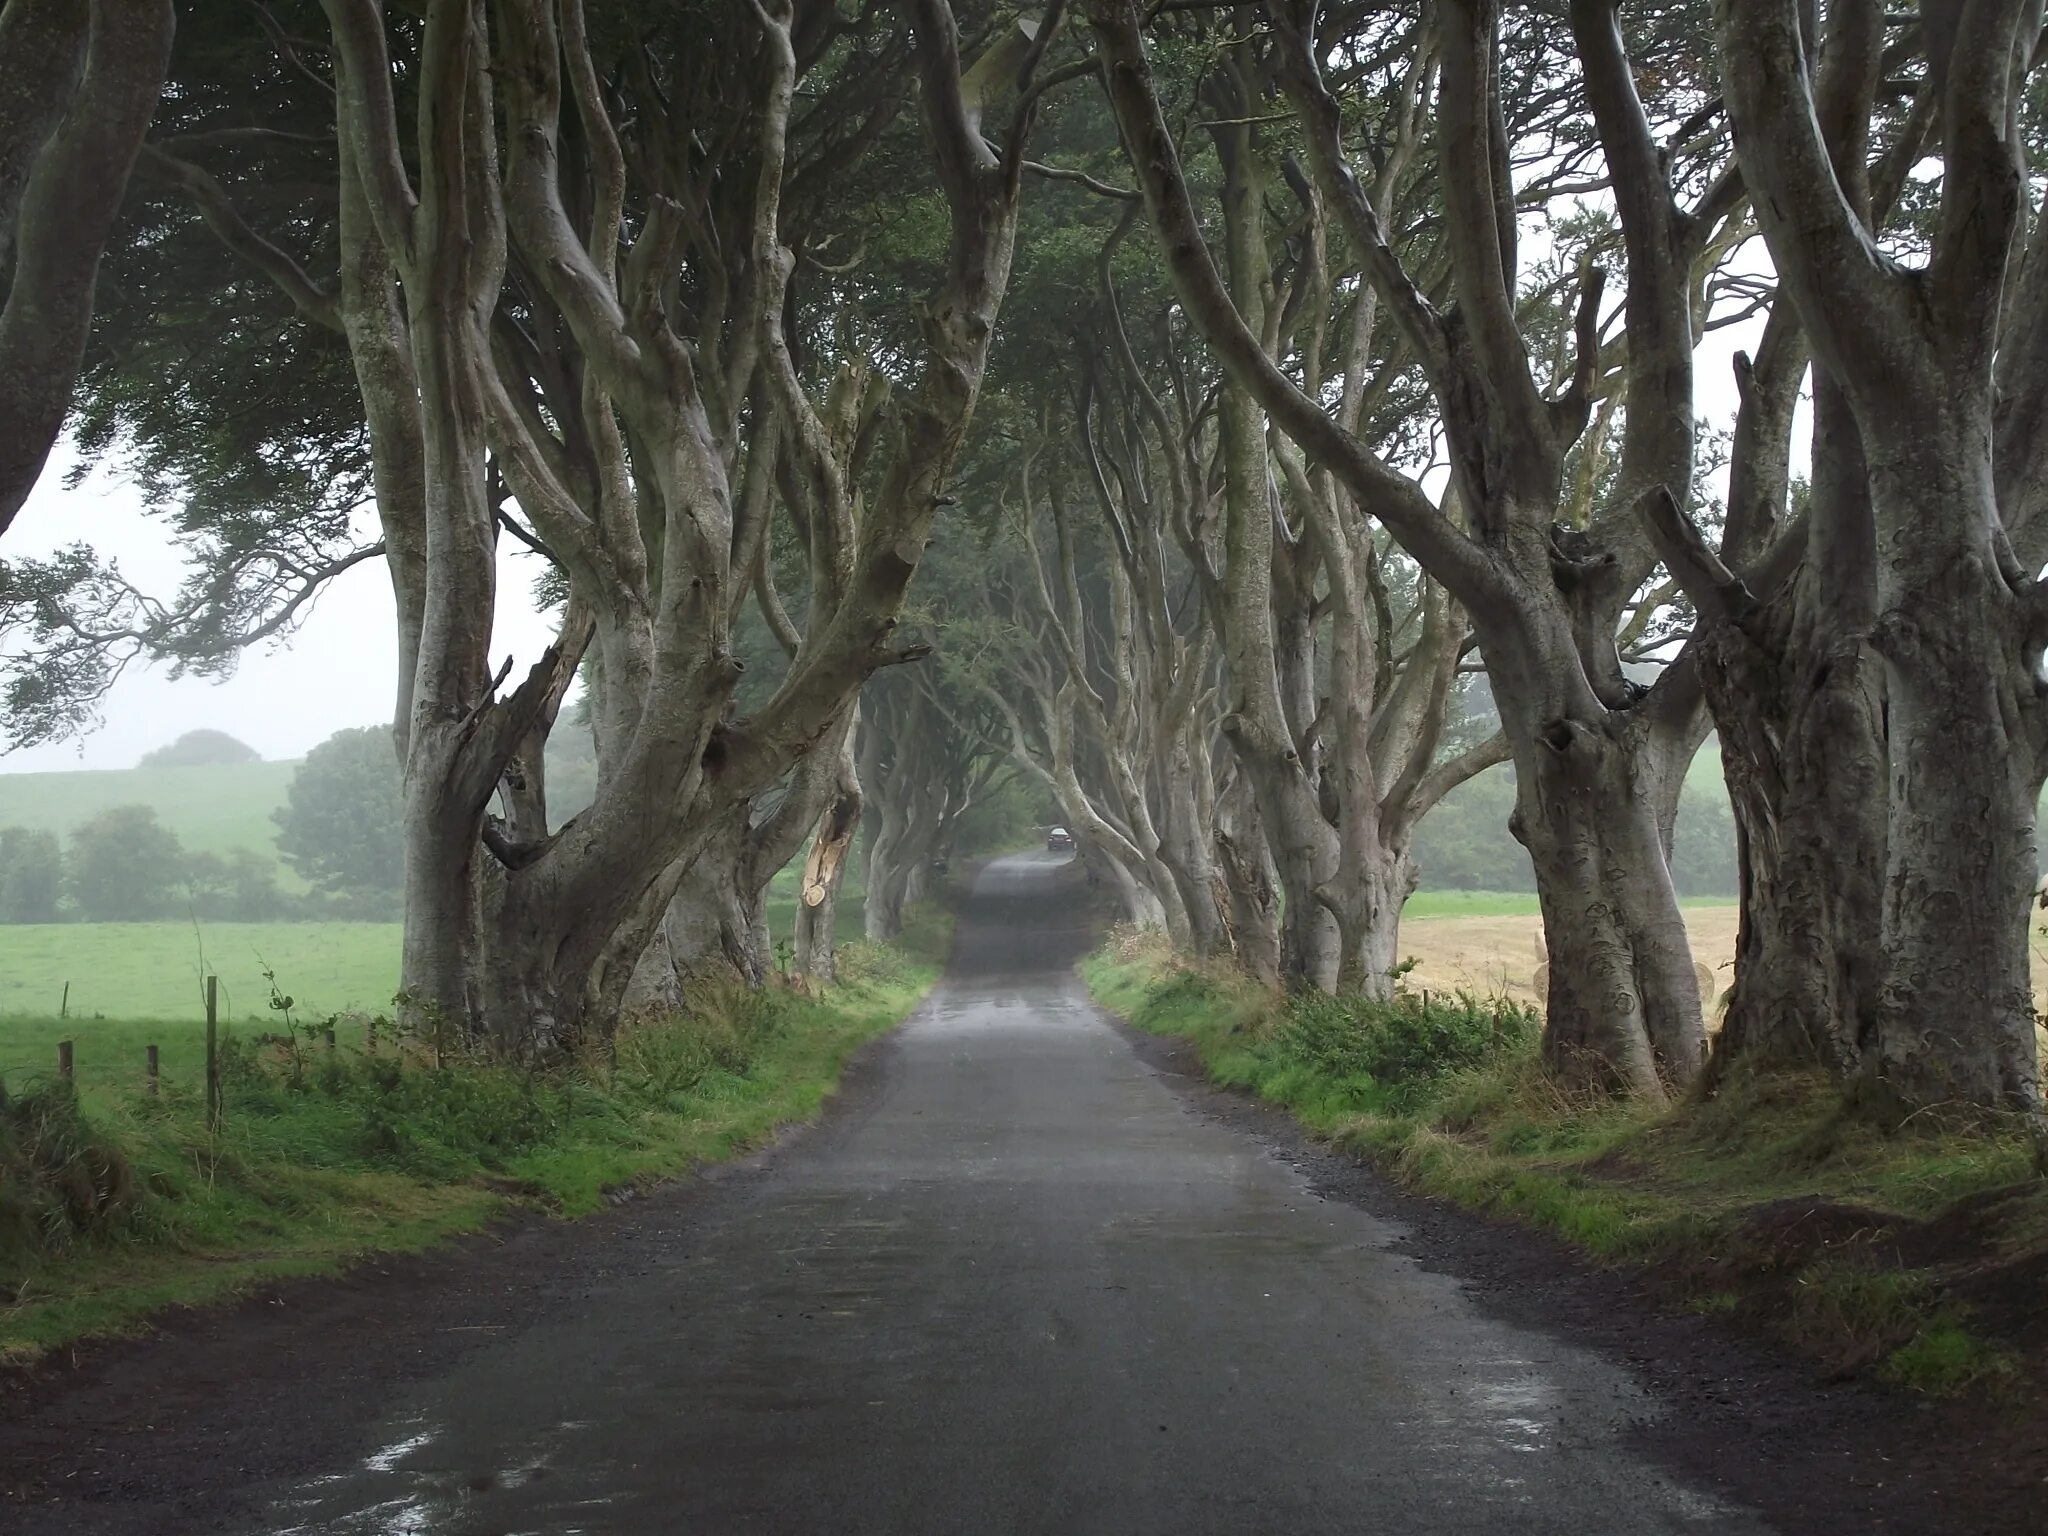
point(115, 1205)
point(1917, 1255)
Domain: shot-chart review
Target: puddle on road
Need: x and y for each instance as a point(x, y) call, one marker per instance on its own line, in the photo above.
point(391, 1494)
point(388, 1459)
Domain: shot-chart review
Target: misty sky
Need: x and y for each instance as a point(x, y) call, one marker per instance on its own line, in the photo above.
point(336, 671)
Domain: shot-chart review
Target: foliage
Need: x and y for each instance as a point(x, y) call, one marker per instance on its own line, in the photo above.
point(123, 866)
point(31, 875)
point(1405, 1047)
point(61, 1181)
point(201, 749)
point(340, 827)
point(238, 888)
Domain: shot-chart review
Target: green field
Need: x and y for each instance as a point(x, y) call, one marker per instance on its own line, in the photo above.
point(1427, 904)
point(213, 809)
point(153, 970)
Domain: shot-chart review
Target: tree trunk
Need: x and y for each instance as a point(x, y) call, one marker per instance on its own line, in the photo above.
point(1184, 849)
point(1800, 717)
point(1623, 1004)
point(1367, 907)
point(817, 911)
point(716, 920)
point(1955, 1017)
point(1245, 861)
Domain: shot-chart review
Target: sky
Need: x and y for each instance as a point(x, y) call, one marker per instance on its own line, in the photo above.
point(338, 669)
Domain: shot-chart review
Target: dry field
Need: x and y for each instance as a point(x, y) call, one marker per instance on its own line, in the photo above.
point(1500, 954)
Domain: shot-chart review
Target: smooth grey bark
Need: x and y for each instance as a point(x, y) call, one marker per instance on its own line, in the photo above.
point(1244, 862)
point(1958, 624)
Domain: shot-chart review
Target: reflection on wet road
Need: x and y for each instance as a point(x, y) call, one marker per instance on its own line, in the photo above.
point(1018, 1286)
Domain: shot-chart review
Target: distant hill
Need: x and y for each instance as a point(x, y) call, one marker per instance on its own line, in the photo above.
point(212, 809)
point(201, 749)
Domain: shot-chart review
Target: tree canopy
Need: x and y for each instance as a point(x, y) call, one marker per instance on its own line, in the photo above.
point(1247, 426)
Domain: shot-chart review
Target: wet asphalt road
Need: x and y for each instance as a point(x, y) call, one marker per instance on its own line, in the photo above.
point(1019, 1286)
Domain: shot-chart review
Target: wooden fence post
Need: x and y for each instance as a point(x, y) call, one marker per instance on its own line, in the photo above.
point(64, 1060)
point(327, 1036)
point(152, 1071)
point(64, 1007)
point(213, 1055)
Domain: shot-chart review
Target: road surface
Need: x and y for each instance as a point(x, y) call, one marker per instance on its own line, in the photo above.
point(1020, 1286)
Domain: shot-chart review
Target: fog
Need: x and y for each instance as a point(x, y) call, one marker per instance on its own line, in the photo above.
point(335, 670)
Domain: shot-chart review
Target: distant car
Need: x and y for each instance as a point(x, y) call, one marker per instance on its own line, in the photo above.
point(1059, 840)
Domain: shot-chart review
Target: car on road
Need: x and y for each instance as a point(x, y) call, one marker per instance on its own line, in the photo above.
point(1059, 840)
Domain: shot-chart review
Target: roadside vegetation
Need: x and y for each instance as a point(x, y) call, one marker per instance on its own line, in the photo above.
point(115, 1204)
point(1914, 1252)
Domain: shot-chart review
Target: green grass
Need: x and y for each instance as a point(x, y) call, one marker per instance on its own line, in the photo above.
point(213, 809)
point(152, 971)
point(1770, 1201)
point(115, 1206)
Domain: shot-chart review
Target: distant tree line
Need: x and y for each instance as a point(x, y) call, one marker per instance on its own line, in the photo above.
point(338, 831)
point(126, 866)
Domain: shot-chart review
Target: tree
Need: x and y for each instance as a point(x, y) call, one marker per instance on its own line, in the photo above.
point(240, 888)
point(339, 827)
point(201, 748)
point(31, 875)
point(1941, 374)
point(1599, 758)
point(78, 82)
point(124, 866)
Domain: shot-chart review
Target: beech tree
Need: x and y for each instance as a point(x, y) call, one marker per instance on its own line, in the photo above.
point(1598, 757)
point(339, 825)
point(547, 937)
point(1937, 375)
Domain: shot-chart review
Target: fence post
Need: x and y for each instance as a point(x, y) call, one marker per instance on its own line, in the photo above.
point(64, 1060)
point(327, 1036)
point(213, 1055)
point(152, 1071)
point(64, 1007)
point(370, 1035)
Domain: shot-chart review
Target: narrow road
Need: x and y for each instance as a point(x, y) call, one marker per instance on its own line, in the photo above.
point(1020, 1286)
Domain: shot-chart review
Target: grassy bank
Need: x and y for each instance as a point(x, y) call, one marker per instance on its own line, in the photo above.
point(1919, 1255)
point(115, 1205)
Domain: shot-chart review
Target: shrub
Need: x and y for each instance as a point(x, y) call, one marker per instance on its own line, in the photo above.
point(125, 866)
point(59, 1180)
point(1406, 1046)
